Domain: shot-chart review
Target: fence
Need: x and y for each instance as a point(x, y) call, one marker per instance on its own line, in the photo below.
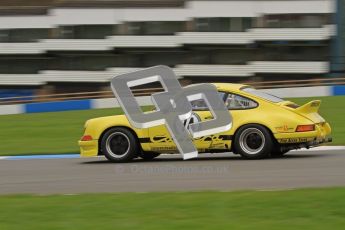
point(145, 92)
point(105, 99)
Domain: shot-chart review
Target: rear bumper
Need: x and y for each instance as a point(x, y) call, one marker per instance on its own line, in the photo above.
point(309, 144)
point(297, 141)
point(314, 140)
point(320, 135)
point(319, 141)
point(88, 148)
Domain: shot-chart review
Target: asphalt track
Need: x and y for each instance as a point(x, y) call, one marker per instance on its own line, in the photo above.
point(170, 173)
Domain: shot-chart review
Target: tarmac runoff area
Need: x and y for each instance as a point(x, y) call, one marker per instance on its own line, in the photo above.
point(69, 174)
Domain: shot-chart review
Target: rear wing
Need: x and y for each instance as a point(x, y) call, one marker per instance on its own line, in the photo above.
point(310, 107)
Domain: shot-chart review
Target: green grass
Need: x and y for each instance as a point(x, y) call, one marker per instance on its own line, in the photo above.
point(58, 132)
point(333, 110)
point(297, 209)
point(45, 133)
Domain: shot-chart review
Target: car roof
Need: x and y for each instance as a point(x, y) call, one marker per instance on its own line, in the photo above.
point(229, 86)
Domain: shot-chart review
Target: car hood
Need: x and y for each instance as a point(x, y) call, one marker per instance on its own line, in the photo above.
point(118, 118)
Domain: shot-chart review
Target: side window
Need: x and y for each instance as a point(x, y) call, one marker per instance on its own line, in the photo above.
point(234, 101)
point(201, 105)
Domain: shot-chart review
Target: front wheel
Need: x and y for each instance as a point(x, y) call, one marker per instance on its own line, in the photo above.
point(119, 145)
point(253, 142)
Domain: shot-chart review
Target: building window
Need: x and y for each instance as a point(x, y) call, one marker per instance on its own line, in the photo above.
point(4, 35)
point(295, 20)
point(154, 28)
point(297, 52)
point(222, 24)
point(86, 31)
point(23, 35)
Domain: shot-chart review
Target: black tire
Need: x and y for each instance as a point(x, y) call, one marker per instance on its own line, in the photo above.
point(119, 145)
point(149, 155)
point(278, 152)
point(253, 142)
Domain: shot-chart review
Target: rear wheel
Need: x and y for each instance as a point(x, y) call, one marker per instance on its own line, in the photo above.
point(119, 145)
point(253, 142)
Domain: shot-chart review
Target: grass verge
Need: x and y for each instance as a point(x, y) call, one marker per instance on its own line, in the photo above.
point(44, 133)
point(58, 132)
point(295, 209)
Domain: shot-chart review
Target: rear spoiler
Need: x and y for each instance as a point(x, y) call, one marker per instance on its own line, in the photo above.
point(310, 107)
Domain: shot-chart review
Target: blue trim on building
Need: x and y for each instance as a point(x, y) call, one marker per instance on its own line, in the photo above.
point(338, 90)
point(57, 106)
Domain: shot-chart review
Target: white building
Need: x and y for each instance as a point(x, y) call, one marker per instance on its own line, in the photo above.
point(80, 45)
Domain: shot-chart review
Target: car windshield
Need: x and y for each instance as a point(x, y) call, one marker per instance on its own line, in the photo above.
point(263, 95)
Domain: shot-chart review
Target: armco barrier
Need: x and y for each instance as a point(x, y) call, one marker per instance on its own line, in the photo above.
point(57, 106)
point(315, 91)
point(11, 109)
point(338, 90)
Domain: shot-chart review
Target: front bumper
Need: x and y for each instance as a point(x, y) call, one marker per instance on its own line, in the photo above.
point(88, 148)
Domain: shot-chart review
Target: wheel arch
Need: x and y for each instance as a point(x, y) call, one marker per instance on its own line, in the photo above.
point(253, 123)
point(111, 127)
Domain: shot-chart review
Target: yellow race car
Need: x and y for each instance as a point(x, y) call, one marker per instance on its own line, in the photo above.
point(263, 126)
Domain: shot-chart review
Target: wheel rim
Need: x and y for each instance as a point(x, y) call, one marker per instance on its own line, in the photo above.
point(252, 141)
point(117, 144)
